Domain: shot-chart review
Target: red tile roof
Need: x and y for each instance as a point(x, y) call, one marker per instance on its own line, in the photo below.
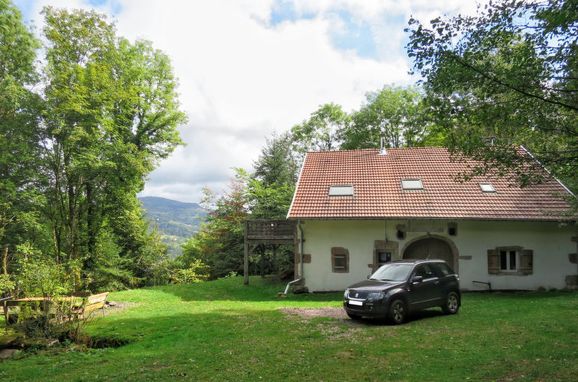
point(376, 180)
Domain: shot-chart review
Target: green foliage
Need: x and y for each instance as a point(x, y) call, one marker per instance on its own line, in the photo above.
point(6, 284)
point(503, 78)
point(40, 275)
point(219, 242)
point(19, 131)
point(269, 202)
point(321, 131)
point(277, 163)
point(76, 154)
point(395, 114)
point(195, 272)
point(17, 46)
point(111, 115)
point(270, 189)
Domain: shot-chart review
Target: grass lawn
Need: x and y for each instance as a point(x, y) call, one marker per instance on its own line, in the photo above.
point(224, 331)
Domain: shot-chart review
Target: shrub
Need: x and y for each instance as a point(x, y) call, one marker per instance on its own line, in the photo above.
point(196, 272)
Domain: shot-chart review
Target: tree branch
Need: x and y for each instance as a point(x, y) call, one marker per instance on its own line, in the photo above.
point(510, 86)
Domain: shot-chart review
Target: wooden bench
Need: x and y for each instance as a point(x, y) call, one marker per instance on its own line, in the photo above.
point(91, 304)
point(81, 307)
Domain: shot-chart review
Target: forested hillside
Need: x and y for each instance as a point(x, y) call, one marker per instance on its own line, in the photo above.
point(176, 221)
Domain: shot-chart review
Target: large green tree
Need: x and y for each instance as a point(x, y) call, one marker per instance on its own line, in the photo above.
point(19, 133)
point(111, 113)
point(505, 77)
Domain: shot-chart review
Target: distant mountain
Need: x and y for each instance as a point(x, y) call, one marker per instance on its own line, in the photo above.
point(176, 221)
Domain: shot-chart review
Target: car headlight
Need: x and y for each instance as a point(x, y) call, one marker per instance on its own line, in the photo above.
point(373, 296)
point(346, 293)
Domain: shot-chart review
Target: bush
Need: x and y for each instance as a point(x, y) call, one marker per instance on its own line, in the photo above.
point(41, 276)
point(6, 284)
point(196, 272)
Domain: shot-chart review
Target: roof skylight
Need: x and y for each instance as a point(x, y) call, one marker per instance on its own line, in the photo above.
point(341, 191)
point(487, 187)
point(411, 184)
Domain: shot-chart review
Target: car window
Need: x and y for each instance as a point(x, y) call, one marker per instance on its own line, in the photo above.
point(392, 272)
point(442, 269)
point(425, 271)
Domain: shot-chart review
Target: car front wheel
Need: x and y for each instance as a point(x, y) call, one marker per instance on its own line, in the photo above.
point(452, 304)
point(397, 312)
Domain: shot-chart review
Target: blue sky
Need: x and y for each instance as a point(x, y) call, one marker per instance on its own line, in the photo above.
point(248, 68)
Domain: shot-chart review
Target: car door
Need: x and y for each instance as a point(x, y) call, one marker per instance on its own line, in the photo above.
point(447, 277)
point(425, 293)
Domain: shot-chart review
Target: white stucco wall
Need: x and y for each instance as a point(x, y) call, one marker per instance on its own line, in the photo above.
point(550, 242)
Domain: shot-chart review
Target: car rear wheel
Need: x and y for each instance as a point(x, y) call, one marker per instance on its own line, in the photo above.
point(452, 304)
point(397, 312)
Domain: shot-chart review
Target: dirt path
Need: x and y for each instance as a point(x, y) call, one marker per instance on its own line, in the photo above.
point(309, 313)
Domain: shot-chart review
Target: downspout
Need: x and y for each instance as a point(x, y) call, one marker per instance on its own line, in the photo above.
point(300, 275)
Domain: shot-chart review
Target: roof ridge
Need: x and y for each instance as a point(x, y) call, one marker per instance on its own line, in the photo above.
point(377, 149)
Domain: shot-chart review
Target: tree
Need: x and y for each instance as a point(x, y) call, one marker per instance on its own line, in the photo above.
point(321, 131)
point(19, 133)
point(269, 194)
point(111, 113)
point(395, 114)
point(503, 78)
point(219, 244)
point(270, 189)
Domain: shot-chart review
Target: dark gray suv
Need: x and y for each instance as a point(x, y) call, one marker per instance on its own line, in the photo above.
point(401, 287)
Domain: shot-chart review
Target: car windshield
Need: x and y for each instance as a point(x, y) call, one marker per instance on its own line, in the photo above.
point(392, 272)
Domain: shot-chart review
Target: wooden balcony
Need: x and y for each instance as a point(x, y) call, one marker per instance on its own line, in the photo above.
point(270, 231)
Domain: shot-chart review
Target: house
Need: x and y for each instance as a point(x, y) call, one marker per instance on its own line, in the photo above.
point(359, 209)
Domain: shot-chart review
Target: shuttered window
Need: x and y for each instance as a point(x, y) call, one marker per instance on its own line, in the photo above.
point(339, 260)
point(510, 260)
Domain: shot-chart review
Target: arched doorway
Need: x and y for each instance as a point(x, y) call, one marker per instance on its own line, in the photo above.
point(432, 248)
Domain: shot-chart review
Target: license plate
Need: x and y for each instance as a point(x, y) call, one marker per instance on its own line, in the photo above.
point(354, 302)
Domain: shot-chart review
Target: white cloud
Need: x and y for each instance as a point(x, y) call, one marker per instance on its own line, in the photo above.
point(241, 78)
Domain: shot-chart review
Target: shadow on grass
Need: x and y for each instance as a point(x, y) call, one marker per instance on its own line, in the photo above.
point(203, 346)
point(232, 289)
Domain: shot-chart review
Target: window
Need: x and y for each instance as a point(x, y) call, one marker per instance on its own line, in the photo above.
point(384, 251)
point(339, 260)
point(487, 187)
point(341, 191)
point(383, 257)
point(412, 184)
point(510, 261)
point(400, 234)
point(453, 229)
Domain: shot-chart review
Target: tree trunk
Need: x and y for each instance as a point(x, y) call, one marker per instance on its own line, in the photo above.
point(5, 259)
point(91, 225)
point(72, 221)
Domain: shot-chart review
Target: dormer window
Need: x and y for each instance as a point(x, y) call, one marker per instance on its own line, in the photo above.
point(411, 184)
point(487, 187)
point(342, 190)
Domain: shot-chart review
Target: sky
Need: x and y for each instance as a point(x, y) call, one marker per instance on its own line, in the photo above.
point(250, 68)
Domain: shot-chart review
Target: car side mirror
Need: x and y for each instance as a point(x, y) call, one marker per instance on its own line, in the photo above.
point(416, 279)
